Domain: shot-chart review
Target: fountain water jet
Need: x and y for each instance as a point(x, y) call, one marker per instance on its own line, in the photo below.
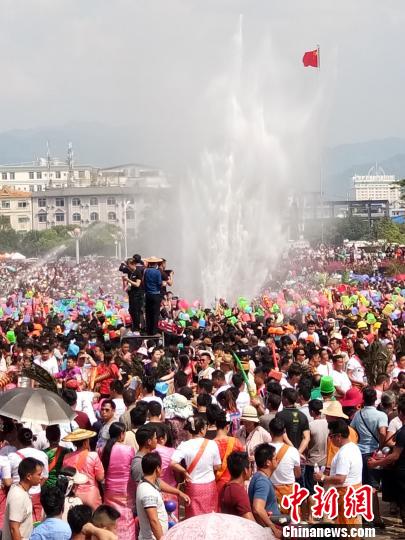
point(235, 208)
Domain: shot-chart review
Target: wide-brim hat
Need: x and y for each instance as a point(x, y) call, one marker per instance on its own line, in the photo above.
point(79, 435)
point(353, 398)
point(249, 414)
point(333, 408)
point(153, 260)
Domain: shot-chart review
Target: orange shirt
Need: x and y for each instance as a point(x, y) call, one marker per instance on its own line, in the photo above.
point(222, 446)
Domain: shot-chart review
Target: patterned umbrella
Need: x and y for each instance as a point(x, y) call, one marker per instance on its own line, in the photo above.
point(214, 526)
point(38, 406)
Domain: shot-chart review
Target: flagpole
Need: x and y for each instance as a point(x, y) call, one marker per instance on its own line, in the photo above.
point(318, 49)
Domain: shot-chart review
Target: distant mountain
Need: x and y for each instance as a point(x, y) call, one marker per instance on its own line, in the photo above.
point(338, 185)
point(93, 143)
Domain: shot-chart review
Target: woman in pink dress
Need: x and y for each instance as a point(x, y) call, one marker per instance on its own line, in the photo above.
point(85, 462)
point(166, 453)
point(119, 487)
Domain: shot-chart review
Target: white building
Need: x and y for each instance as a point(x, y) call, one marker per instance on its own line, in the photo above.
point(376, 185)
point(40, 175)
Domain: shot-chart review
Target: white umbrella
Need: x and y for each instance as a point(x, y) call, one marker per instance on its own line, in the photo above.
point(213, 526)
point(17, 256)
point(38, 406)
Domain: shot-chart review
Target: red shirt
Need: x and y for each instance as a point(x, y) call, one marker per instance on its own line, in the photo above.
point(235, 500)
point(112, 369)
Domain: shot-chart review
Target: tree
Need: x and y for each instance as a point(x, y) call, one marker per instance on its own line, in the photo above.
point(9, 238)
point(386, 229)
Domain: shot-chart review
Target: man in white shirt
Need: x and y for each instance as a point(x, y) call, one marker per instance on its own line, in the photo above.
point(346, 468)
point(243, 399)
point(150, 508)
point(18, 518)
point(310, 333)
point(341, 381)
point(47, 361)
point(289, 463)
point(355, 371)
point(203, 363)
point(218, 380)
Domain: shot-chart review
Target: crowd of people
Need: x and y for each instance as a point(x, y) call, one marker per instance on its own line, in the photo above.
point(182, 410)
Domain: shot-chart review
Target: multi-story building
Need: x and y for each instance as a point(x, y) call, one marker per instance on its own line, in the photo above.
point(41, 174)
point(84, 206)
point(376, 185)
point(16, 208)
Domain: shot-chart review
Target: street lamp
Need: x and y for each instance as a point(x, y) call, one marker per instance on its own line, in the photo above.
point(126, 205)
point(118, 236)
point(76, 234)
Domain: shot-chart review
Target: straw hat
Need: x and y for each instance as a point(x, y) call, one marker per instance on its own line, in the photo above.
point(153, 260)
point(333, 408)
point(249, 414)
point(79, 435)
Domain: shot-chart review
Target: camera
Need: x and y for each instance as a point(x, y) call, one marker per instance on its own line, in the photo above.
point(124, 269)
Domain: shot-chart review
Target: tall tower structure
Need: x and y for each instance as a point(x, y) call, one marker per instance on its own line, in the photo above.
point(70, 164)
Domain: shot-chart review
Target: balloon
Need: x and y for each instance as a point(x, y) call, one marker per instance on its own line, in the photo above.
point(242, 302)
point(182, 304)
point(170, 506)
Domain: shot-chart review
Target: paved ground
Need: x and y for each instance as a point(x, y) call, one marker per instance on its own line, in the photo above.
point(393, 528)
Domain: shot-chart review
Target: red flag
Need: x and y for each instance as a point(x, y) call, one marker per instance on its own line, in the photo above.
point(311, 59)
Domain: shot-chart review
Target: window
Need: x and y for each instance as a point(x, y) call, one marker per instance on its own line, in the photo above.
point(111, 201)
point(22, 204)
point(75, 201)
point(23, 219)
point(42, 218)
point(6, 220)
point(130, 214)
point(82, 174)
point(93, 201)
point(5, 204)
point(60, 201)
point(112, 216)
point(12, 176)
point(42, 203)
point(39, 176)
point(76, 217)
point(32, 187)
point(4, 176)
point(94, 216)
point(31, 175)
point(60, 216)
point(57, 174)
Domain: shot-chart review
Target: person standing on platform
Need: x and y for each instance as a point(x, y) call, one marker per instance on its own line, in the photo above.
point(152, 279)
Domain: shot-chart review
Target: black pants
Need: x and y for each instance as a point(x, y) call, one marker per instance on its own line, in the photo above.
point(152, 310)
point(136, 304)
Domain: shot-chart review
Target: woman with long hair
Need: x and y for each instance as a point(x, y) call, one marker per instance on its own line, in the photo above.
point(119, 487)
point(202, 460)
point(85, 462)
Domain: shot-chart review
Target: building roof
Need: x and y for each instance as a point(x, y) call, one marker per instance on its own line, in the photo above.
point(7, 192)
point(85, 191)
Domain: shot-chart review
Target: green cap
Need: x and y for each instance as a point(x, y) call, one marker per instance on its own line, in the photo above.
point(326, 386)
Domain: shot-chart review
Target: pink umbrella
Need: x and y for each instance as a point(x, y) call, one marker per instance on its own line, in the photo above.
point(213, 526)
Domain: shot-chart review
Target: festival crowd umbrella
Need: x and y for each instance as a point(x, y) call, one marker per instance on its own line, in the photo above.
point(213, 526)
point(38, 406)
